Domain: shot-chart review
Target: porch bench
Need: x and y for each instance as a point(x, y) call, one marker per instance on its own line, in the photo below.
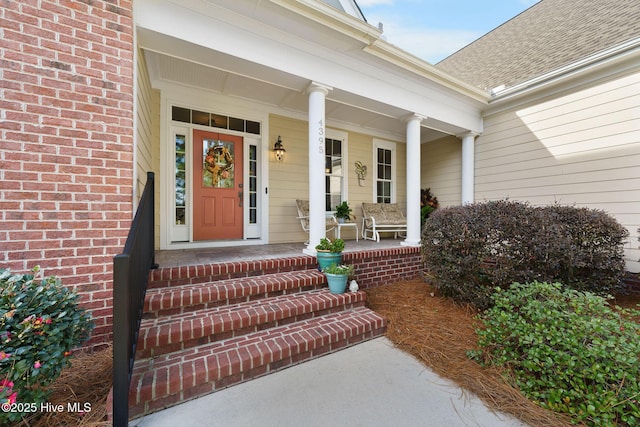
point(382, 217)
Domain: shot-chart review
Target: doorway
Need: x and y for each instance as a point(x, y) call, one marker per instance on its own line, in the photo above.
point(217, 186)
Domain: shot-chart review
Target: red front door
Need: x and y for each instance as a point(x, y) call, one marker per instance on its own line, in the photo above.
point(217, 187)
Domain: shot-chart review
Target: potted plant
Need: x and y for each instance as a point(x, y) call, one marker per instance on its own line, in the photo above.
point(337, 276)
point(343, 212)
point(329, 252)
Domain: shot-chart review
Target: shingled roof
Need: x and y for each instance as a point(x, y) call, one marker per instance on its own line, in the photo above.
point(547, 36)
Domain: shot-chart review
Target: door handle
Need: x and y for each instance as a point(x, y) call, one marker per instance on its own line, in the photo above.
point(240, 194)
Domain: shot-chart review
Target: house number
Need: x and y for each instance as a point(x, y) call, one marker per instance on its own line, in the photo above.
point(321, 137)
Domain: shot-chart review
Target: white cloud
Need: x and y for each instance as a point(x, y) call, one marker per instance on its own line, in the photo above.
point(431, 45)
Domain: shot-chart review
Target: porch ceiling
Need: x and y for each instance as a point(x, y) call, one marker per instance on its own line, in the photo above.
point(238, 78)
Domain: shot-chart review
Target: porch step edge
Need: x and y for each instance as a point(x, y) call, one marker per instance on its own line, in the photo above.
point(180, 299)
point(177, 332)
point(210, 272)
point(173, 378)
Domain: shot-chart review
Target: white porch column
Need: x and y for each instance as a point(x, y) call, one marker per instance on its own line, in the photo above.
point(317, 93)
point(468, 168)
point(413, 181)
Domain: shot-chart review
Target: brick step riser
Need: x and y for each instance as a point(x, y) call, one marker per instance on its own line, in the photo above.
point(204, 374)
point(163, 346)
point(153, 313)
point(182, 299)
point(198, 274)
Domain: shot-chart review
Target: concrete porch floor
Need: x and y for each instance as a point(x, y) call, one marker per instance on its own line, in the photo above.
point(183, 257)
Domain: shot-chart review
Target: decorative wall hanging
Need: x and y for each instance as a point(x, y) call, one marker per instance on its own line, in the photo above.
point(361, 172)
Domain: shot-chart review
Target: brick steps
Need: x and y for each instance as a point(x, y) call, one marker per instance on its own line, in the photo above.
point(181, 299)
point(208, 327)
point(171, 333)
point(179, 376)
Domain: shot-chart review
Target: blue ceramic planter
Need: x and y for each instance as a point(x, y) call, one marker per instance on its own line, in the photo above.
point(325, 259)
point(337, 282)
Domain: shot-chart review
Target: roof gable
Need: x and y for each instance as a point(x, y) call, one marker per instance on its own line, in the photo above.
point(543, 38)
point(348, 6)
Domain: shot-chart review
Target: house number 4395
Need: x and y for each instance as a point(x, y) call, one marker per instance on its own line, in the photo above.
point(321, 137)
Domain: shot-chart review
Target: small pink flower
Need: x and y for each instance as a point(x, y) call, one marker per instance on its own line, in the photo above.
point(67, 353)
point(37, 365)
point(4, 355)
point(48, 321)
point(12, 398)
point(6, 383)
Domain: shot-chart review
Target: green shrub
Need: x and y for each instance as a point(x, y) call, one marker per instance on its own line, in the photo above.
point(428, 204)
point(471, 249)
point(40, 323)
point(567, 350)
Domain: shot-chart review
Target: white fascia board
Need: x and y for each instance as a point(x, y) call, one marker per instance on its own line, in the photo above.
point(377, 46)
point(352, 69)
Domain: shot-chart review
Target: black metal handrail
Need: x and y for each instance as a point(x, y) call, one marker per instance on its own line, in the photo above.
point(130, 277)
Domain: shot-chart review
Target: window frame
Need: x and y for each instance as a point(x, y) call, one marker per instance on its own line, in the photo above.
point(391, 146)
point(343, 138)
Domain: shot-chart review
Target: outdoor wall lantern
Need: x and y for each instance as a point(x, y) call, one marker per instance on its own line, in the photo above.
point(278, 150)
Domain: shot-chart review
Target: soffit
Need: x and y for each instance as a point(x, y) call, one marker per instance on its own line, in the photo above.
point(288, 93)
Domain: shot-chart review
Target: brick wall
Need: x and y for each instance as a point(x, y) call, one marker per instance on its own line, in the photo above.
point(383, 266)
point(66, 135)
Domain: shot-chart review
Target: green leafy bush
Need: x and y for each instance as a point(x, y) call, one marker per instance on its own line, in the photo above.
point(327, 245)
point(567, 350)
point(471, 249)
point(40, 323)
point(428, 204)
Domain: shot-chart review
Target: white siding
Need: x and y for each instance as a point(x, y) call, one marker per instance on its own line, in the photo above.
point(580, 149)
point(441, 170)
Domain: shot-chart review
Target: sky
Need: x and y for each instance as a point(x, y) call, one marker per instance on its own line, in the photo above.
point(435, 29)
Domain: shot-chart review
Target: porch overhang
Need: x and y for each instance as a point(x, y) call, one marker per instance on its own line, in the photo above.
point(269, 51)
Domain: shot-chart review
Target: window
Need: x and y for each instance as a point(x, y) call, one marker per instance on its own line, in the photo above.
point(333, 172)
point(384, 158)
point(180, 180)
point(335, 151)
point(204, 118)
point(253, 184)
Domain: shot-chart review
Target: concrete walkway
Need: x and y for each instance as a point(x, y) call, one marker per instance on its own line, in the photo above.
point(371, 384)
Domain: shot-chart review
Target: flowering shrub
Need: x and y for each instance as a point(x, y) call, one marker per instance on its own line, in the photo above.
point(567, 350)
point(40, 323)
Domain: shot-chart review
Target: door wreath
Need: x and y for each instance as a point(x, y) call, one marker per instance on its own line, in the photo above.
point(219, 162)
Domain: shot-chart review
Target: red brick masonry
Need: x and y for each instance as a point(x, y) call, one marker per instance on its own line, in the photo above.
point(210, 326)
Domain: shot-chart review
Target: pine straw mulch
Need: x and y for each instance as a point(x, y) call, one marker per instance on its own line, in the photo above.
point(87, 380)
point(439, 332)
point(434, 329)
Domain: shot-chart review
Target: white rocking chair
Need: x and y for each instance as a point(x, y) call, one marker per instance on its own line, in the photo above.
point(303, 216)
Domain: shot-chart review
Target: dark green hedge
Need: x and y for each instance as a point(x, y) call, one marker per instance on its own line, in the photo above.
point(471, 249)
